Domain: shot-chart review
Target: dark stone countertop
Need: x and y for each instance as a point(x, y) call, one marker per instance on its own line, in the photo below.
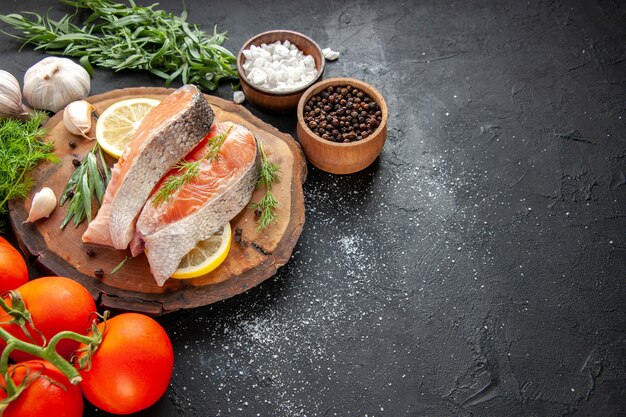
point(477, 268)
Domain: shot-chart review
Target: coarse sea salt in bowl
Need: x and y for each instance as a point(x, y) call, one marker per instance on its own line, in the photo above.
point(276, 67)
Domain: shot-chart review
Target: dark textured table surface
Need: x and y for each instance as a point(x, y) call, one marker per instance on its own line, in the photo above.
point(478, 267)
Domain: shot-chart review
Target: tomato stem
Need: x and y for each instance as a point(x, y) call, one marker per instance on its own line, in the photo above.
point(47, 352)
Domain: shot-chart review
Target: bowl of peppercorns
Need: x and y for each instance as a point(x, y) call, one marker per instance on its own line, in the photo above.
point(342, 125)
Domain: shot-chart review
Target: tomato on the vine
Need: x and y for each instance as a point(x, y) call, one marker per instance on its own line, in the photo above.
point(13, 271)
point(55, 304)
point(48, 392)
point(132, 367)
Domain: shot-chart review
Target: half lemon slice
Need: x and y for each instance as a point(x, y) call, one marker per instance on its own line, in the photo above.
point(206, 256)
point(117, 124)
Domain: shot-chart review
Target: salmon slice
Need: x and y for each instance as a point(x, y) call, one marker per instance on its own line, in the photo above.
point(164, 136)
point(223, 187)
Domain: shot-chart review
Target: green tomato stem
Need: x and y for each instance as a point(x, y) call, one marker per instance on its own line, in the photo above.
point(47, 352)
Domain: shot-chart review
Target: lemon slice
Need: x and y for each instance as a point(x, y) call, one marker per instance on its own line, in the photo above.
point(206, 256)
point(118, 123)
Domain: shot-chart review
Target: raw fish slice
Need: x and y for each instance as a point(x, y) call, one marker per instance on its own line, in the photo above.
point(165, 135)
point(194, 212)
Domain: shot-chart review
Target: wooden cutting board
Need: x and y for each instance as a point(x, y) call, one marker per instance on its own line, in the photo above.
point(252, 260)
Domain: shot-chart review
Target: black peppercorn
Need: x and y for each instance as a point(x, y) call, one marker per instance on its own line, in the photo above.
point(341, 114)
point(99, 273)
point(91, 252)
point(72, 145)
point(76, 162)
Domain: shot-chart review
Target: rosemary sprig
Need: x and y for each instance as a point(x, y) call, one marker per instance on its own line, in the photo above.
point(269, 174)
point(118, 37)
point(121, 264)
point(186, 171)
point(21, 150)
point(87, 181)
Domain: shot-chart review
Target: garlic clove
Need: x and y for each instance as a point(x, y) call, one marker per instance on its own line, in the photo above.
point(43, 204)
point(53, 83)
point(11, 97)
point(77, 118)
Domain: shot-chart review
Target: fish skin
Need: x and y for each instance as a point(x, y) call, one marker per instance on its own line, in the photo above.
point(166, 246)
point(174, 138)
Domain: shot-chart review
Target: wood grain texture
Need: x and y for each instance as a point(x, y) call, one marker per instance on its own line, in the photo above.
point(254, 259)
point(342, 158)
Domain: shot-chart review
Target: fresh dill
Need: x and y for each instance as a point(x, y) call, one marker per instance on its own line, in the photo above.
point(269, 174)
point(21, 150)
point(117, 36)
point(88, 181)
point(186, 171)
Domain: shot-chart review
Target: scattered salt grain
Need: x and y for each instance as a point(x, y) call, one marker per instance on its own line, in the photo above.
point(329, 54)
point(278, 67)
point(239, 97)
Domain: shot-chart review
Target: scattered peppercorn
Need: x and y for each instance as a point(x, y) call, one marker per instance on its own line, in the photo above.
point(99, 273)
point(258, 212)
point(342, 114)
point(72, 145)
point(76, 162)
point(239, 238)
point(91, 252)
point(70, 194)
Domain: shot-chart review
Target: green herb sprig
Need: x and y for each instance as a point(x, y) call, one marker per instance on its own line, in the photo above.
point(188, 170)
point(21, 150)
point(118, 37)
point(269, 173)
point(88, 181)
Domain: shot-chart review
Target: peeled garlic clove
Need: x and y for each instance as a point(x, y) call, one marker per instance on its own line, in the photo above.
point(42, 205)
point(53, 83)
point(11, 97)
point(77, 118)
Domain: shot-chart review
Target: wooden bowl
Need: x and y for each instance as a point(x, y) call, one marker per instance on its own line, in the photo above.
point(335, 157)
point(280, 102)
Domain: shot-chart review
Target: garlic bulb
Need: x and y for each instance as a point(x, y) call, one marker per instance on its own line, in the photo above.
point(77, 118)
point(53, 83)
point(11, 97)
point(42, 205)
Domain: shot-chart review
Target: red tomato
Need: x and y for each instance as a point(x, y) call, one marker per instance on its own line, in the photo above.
point(49, 392)
point(55, 304)
point(13, 271)
point(132, 367)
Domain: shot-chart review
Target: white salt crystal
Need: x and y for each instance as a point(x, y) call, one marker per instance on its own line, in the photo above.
point(287, 44)
point(247, 53)
point(309, 62)
point(329, 54)
point(260, 63)
point(257, 76)
point(281, 51)
point(293, 74)
point(293, 52)
point(281, 75)
point(239, 97)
